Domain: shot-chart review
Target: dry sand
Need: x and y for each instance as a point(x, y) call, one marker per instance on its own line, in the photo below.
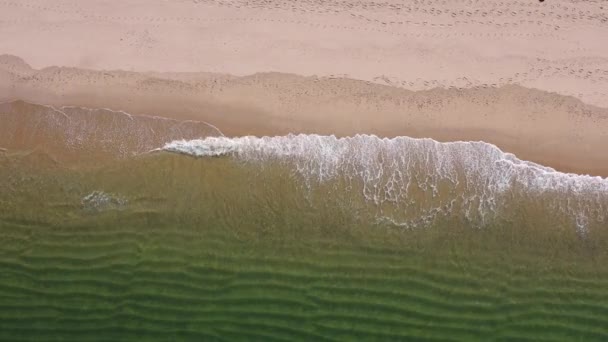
point(527, 76)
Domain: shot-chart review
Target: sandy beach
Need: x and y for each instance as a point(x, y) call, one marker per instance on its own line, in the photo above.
point(304, 170)
point(530, 77)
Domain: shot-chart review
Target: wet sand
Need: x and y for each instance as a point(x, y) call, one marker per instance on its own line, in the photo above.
point(547, 128)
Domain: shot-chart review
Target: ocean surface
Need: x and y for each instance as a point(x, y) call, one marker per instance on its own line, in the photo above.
point(121, 227)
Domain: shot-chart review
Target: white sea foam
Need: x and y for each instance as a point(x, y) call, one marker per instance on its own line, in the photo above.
point(424, 178)
point(100, 201)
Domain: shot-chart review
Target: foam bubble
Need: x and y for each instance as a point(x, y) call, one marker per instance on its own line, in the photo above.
point(99, 201)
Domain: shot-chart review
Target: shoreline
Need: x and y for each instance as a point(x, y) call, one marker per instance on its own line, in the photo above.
point(546, 128)
point(599, 172)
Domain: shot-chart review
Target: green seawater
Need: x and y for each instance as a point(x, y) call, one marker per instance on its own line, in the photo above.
point(166, 247)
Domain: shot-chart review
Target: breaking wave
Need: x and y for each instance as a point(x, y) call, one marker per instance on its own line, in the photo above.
point(413, 182)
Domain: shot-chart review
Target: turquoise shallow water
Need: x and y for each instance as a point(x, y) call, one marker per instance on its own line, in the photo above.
point(171, 247)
